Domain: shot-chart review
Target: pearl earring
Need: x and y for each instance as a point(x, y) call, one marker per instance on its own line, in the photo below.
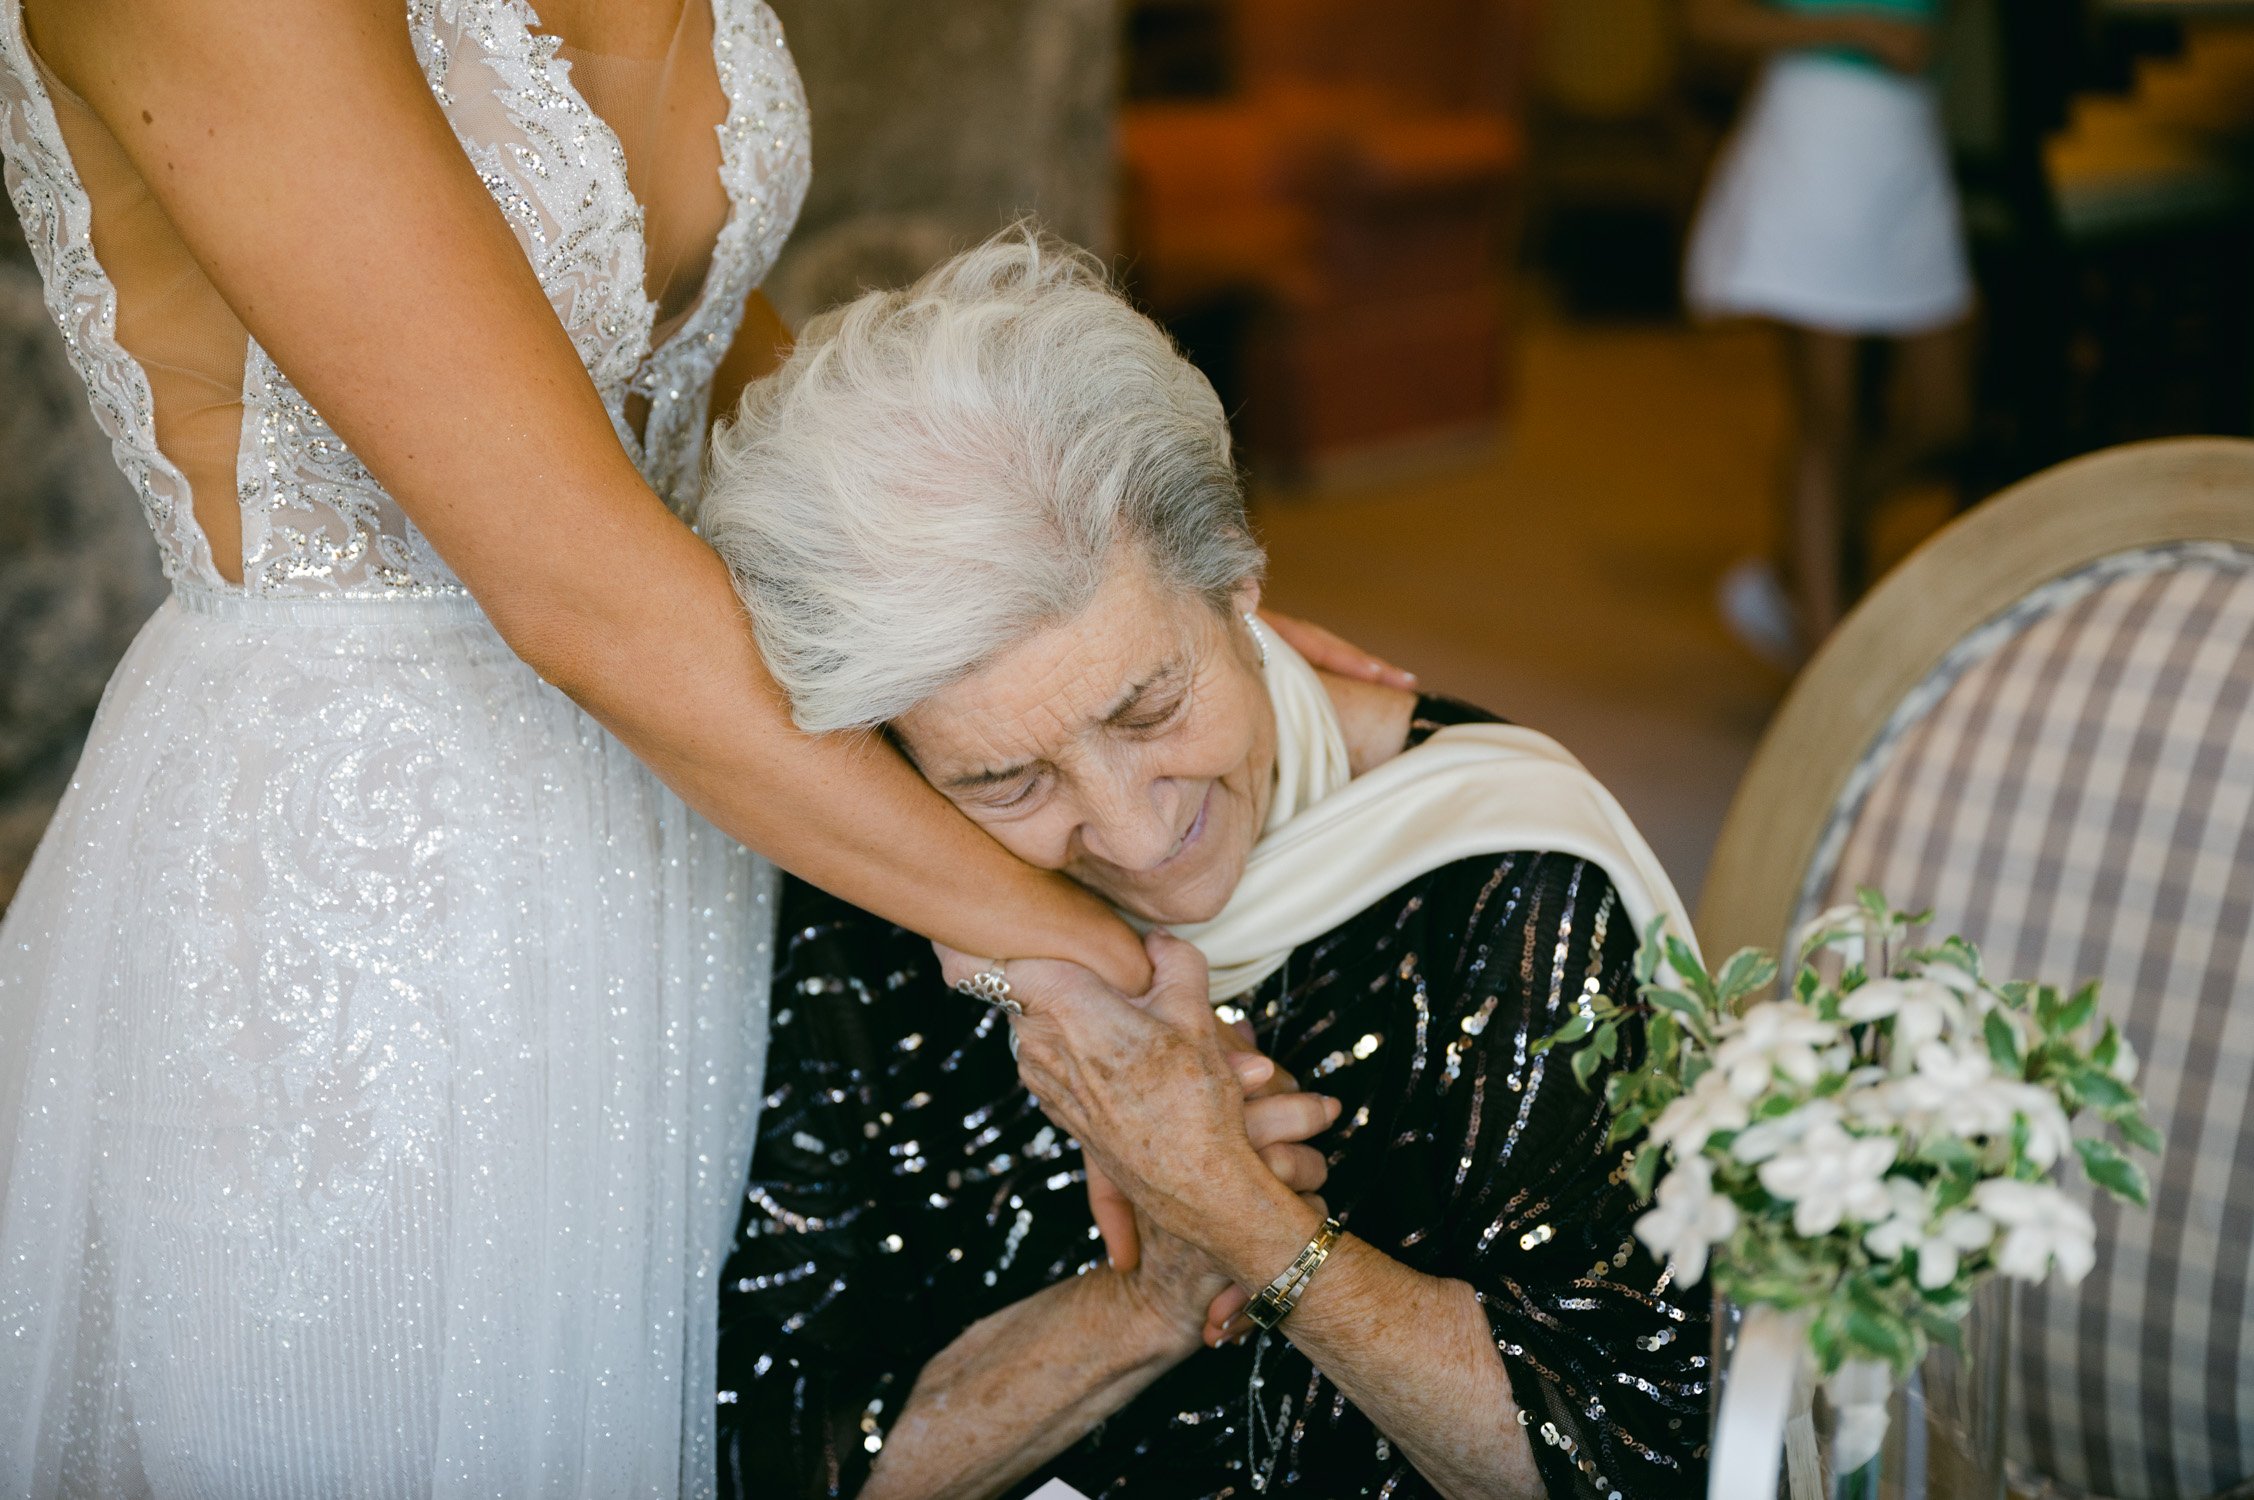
point(1258, 639)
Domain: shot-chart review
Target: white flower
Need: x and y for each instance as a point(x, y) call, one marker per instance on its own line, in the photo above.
point(2049, 1137)
point(1689, 1119)
point(1757, 1143)
point(1688, 1218)
point(1858, 1393)
point(2040, 1225)
point(1939, 1246)
point(1923, 1011)
point(1870, 1101)
point(1829, 1176)
point(2124, 1061)
point(1778, 1036)
point(1953, 1090)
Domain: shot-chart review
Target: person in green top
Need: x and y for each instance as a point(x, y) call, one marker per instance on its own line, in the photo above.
point(1831, 213)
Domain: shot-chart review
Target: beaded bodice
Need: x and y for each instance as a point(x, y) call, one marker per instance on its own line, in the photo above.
point(315, 522)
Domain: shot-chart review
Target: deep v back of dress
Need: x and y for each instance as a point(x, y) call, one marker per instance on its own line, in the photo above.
point(380, 1043)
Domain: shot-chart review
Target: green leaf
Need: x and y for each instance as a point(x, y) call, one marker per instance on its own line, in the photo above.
point(1663, 1041)
point(1607, 1043)
point(1940, 1327)
point(1746, 971)
point(1959, 955)
point(1571, 1032)
point(1880, 1334)
point(1643, 1172)
point(2003, 1045)
point(1650, 950)
point(1694, 1016)
point(2077, 1012)
point(2102, 1090)
point(1823, 1338)
point(1585, 1064)
point(2138, 1131)
point(2118, 1175)
point(1687, 967)
point(1627, 1125)
point(2046, 1007)
point(2107, 1052)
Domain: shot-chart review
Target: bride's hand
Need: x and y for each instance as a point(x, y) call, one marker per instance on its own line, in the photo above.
point(1331, 653)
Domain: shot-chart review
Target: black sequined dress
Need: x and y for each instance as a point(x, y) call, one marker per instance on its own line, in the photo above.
point(905, 1186)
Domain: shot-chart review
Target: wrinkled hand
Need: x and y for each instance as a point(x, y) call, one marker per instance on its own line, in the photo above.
point(1173, 1284)
point(1149, 1089)
point(1110, 1207)
point(1330, 653)
point(1112, 1210)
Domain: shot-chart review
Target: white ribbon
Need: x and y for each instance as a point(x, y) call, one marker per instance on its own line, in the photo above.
point(1757, 1397)
point(1766, 1426)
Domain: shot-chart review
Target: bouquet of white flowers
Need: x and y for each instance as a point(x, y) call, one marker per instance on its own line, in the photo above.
point(1861, 1147)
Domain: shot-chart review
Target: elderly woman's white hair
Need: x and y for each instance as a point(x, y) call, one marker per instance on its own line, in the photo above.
point(936, 473)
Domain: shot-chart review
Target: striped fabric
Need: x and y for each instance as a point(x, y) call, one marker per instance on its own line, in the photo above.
point(2073, 790)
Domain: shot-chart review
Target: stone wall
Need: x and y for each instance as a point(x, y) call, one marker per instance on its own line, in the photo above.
point(935, 123)
point(78, 569)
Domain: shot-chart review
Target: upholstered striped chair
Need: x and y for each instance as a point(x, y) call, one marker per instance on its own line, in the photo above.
point(2042, 726)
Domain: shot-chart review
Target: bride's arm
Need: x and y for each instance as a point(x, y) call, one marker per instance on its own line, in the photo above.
point(299, 151)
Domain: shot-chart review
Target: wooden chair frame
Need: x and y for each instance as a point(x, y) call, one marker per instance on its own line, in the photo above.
point(2140, 495)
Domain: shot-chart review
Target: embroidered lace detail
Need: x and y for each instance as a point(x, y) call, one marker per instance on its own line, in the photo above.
point(57, 223)
point(314, 518)
point(766, 165)
point(315, 522)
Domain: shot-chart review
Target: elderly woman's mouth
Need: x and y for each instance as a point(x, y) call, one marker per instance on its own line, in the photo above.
point(1190, 835)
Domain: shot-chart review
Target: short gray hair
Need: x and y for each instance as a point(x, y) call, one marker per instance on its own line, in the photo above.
point(936, 473)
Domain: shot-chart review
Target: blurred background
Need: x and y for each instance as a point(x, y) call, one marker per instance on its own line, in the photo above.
point(1430, 253)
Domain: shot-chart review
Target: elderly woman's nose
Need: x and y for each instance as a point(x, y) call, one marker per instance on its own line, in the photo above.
point(1134, 828)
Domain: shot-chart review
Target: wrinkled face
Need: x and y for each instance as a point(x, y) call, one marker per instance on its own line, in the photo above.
point(1132, 748)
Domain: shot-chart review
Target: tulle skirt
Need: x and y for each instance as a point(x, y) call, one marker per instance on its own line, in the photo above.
point(380, 1047)
point(1832, 207)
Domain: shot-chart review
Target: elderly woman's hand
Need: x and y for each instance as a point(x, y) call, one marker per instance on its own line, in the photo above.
point(1148, 1091)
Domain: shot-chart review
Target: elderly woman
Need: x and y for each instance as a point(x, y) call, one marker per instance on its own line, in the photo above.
point(995, 516)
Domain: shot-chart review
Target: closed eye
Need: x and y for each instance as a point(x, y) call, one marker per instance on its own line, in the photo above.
point(1144, 718)
point(1011, 796)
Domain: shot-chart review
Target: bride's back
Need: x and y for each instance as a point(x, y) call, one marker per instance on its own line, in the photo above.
point(603, 130)
point(379, 1040)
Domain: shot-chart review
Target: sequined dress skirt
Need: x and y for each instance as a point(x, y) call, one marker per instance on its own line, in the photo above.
point(380, 1048)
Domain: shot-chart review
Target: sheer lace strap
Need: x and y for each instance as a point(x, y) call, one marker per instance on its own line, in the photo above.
point(557, 171)
point(766, 166)
point(58, 221)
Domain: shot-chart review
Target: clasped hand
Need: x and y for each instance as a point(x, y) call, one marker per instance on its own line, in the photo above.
point(1183, 1128)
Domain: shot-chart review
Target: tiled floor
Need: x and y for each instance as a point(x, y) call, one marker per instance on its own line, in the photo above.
point(1567, 579)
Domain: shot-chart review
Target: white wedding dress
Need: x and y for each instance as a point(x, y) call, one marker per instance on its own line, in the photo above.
point(379, 1043)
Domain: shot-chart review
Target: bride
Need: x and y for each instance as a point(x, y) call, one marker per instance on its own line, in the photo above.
point(379, 1040)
